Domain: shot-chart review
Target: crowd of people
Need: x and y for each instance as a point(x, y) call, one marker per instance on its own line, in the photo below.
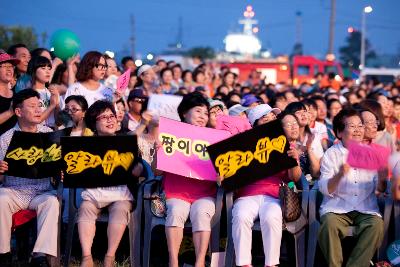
point(41, 93)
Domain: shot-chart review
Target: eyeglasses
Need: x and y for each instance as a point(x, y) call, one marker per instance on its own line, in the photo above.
point(72, 110)
point(290, 124)
point(106, 117)
point(139, 100)
point(372, 123)
point(7, 66)
point(354, 127)
point(100, 66)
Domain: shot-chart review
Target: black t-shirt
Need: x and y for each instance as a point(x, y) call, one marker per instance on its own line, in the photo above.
point(4, 106)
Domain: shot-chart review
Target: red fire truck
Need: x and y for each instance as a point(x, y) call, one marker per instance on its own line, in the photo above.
point(279, 70)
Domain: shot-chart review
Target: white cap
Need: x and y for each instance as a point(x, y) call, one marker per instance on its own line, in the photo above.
point(235, 110)
point(143, 69)
point(261, 110)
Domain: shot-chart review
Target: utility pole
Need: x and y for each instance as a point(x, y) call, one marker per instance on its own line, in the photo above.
point(298, 27)
point(133, 38)
point(179, 37)
point(330, 55)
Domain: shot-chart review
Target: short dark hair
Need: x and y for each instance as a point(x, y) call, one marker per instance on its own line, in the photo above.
point(338, 121)
point(376, 108)
point(88, 62)
point(23, 95)
point(310, 102)
point(190, 101)
point(35, 63)
point(81, 100)
point(94, 111)
point(38, 51)
point(164, 70)
point(126, 59)
point(295, 106)
point(12, 50)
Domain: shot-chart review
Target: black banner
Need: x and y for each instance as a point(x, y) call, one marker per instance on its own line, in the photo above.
point(251, 155)
point(98, 161)
point(35, 155)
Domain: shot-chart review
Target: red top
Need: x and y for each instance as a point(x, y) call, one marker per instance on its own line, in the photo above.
point(187, 189)
point(267, 186)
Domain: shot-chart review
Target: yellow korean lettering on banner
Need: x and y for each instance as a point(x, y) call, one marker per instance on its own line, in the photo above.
point(168, 141)
point(53, 153)
point(229, 163)
point(33, 154)
point(112, 160)
point(200, 149)
point(265, 146)
point(186, 146)
point(79, 161)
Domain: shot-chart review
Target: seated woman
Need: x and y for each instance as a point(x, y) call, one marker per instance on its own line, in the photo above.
point(308, 144)
point(260, 199)
point(189, 197)
point(101, 119)
point(348, 197)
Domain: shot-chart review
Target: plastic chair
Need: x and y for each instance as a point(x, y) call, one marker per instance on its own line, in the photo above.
point(151, 221)
point(315, 201)
point(133, 226)
point(24, 216)
point(297, 228)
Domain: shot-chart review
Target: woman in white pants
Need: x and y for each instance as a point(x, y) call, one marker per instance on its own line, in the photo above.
point(261, 200)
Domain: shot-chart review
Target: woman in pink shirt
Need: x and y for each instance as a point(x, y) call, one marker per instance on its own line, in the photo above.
point(189, 197)
point(261, 200)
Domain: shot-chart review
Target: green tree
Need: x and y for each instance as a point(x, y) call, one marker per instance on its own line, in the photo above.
point(10, 35)
point(202, 52)
point(350, 52)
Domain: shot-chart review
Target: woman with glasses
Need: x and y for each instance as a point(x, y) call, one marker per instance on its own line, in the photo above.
point(76, 107)
point(101, 119)
point(349, 197)
point(260, 199)
point(91, 71)
point(383, 137)
point(309, 147)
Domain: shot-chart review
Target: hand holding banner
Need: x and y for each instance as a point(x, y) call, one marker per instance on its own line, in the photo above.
point(35, 155)
point(123, 81)
point(98, 161)
point(251, 155)
point(184, 149)
point(369, 157)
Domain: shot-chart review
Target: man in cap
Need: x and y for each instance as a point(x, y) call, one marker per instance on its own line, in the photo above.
point(147, 79)
point(136, 100)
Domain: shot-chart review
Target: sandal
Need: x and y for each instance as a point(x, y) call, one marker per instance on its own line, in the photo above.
point(109, 261)
point(87, 261)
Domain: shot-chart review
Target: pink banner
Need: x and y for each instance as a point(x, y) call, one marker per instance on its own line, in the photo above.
point(233, 124)
point(123, 81)
point(370, 157)
point(183, 150)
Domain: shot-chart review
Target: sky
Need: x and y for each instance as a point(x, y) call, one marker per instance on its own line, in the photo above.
point(105, 25)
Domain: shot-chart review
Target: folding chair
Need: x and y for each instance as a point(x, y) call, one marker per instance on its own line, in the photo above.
point(297, 228)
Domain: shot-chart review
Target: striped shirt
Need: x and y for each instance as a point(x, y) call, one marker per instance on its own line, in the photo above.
point(25, 189)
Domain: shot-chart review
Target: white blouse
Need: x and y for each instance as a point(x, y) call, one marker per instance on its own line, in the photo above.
point(355, 191)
